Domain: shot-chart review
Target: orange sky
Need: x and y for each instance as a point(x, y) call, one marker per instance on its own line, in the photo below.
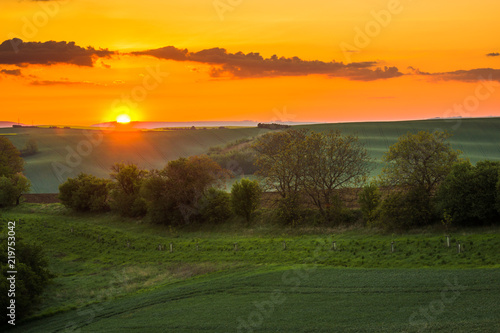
point(439, 38)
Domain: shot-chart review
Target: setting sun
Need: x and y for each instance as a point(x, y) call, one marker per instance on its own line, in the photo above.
point(123, 119)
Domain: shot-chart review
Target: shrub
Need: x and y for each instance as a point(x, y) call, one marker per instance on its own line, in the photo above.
point(125, 190)
point(403, 210)
point(469, 193)
point(31, 278)
point(245, 198)
point(215, 206)
point(85, 193)
point(369, 200)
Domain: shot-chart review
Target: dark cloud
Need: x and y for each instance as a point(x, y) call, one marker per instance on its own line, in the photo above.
point(17, 52)
point(493, 54)
point(472, 75)
point(14, 72)
point(241, 65)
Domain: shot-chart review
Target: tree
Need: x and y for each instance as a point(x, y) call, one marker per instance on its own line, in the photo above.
point(280, 160)
point(85, 193)
point(10, 160)
point(469, 193)
point(125, 190)
point(31, 148)
point(245, 198)
point(215, 206)
point(419, 160)
point(12, 189)
point(173, 193)
point(332, 161)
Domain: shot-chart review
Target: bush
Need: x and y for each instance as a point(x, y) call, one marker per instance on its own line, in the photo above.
point(245, 198)
point(85, 193)
point(31, 148)
point(173, 194)
point(405, 210)
point(369, 200)
point(125, 190)
point(469, 194)
point(288, 211)
point(31, 278)
point(215, 206)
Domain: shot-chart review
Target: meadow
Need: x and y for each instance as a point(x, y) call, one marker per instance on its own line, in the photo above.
point(115, 273)
point(477, 138)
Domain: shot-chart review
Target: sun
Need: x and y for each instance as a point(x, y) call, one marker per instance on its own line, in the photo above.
point(123, 119)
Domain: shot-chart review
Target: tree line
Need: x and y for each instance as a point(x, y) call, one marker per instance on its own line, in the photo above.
point(424, 181)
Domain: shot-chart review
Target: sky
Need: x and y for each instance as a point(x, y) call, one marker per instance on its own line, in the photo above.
point(82, 62)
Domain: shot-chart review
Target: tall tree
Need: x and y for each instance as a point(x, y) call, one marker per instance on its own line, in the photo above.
point(281, 160)
point(421, 160)
point(10, 160)
point(332, 161)
point(173, 193)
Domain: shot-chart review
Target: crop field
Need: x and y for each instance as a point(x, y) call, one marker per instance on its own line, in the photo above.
point(67, 152)
point(114, 272)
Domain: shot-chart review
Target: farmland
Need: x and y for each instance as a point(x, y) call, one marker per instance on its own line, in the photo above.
point(111, 273)
point(477, 138)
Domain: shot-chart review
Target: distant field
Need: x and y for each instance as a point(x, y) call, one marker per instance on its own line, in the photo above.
point(479, 139)
point(74, 152)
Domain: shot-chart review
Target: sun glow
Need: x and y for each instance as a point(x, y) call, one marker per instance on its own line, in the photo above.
point(123, 119)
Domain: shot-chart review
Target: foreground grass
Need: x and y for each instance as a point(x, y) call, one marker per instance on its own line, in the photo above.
point(300, 299)
point(112, 263)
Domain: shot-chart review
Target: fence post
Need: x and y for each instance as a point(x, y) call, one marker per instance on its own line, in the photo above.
point(171, 247)
point(448, 241)
point(334, 246)
point(284, 245)
point(392, 246)
point(236, 246)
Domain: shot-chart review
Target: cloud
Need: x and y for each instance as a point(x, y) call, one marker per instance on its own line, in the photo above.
point(493, 54)
point(241, 65)
point(17, 52)
point(63, 81)
point(14, 72)
point(472, 75)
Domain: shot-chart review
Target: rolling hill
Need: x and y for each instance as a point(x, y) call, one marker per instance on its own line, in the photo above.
point(66, 152)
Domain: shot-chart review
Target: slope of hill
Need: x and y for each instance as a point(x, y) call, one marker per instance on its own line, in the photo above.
point(66, 152)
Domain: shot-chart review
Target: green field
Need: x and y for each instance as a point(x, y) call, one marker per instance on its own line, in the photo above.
point(112, 277)
point(479, 139)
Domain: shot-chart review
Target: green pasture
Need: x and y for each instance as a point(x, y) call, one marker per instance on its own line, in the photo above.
point(114, 273)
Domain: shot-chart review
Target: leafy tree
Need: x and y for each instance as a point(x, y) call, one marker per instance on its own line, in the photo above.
point(281, 160)
point(415, 166)
point(12, 189)
point(85, 193)
point(31, 278)
point(369, 201)
point(10, 160)
point(419, 160)
point(245, 198)
point(215, 206)
point(173, 193)
point(125, 190)
point(469, 193)
point(333, 161)
point(31, 148)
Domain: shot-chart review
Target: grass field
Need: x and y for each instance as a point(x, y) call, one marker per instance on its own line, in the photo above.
point(111, 276)
point(479, 139)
